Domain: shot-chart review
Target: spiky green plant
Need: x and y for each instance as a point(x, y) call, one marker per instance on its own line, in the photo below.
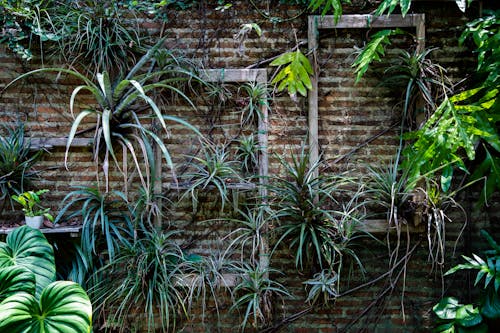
point(16, 163)
point(246, 153)
point(140, 285)
point(254, 294)
point(105, 219)
point(124, 111)
point(214, 169)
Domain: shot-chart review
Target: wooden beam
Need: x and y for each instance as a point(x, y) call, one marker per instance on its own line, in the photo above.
point(368, 21)
point(73, 231)
point(312, 37)
point(37, 143)
point(235, 75)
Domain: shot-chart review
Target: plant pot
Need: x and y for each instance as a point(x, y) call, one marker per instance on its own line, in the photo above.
point(35, 222)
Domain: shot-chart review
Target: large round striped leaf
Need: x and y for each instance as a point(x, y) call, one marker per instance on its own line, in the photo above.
point(28, 247)
point(64, 307)
point(15, 279)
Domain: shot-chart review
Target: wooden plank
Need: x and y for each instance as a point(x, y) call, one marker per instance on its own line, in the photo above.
point(73, 231)
point(37, 143)
point(235, 75)
point(312, 37)
point(420, 33)
point(368, 21)
point(382, 226)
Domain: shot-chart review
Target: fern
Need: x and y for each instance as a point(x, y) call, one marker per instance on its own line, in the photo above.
point(374, 50)
point(295, 75)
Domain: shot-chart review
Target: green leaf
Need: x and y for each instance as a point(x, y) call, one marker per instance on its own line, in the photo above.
point(295, 75)
point(63, 307)
point(374, 50)
point(491, 305)
point(446, 308)
point(15, 279)
point(468, 316)
point(389, 6)
point(27, 247)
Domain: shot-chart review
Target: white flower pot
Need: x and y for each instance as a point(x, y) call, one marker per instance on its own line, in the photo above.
point(35, 222)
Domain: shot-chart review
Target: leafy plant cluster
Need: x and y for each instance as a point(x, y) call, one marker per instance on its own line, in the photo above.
point(30, 298)
point(480, 316)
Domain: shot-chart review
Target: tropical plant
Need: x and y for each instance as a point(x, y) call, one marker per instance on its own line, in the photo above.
point(315, 221)
point(249, 232)
point(123, 107)
point(389, 6)
point(16, 163)
point(255, 99)
point(140, 285)
point(322, 287)
point(30, 201)
point(26, 261)
point(207, 280)
point(295, 74)
point(105, 219)
point(246, 153)
point(454, 316)
point(94, 35)
point(373, 51)
point(254, 294)
point(213, 170)
point(26, 247)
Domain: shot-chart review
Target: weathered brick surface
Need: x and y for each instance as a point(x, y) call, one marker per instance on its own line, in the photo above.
point(349, 115)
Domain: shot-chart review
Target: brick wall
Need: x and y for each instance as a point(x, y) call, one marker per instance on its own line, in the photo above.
point(349, 115)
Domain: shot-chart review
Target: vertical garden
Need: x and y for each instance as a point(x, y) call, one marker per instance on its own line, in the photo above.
point(254, 166)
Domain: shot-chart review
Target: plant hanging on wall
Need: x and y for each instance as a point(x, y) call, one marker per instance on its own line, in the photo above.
point(124, 110)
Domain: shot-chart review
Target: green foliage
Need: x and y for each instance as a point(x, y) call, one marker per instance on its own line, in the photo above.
point(328, 5)
point(16, 162)
point(140, 285)
point(105, 219)
point(389, 6)
point(30, 300)
point(63, 306)
point(255, 98)
point(26, 247)
point(30, 201)
point(313, 223)
point(254, 294)
point(246, 154)
point(374, 50)
point(457, 317)
point(322, 288)
point(213, 170)
point(124, 111)
point(295, 74)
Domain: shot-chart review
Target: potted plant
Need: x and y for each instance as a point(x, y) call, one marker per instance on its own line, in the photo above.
point(33, 212)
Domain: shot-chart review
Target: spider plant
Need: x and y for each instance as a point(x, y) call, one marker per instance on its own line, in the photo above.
point(213, 170)
point(303, 203)
point(16, 163)
point(105, 218)
point(255, 98)
point(421, 77)
point(249, 233)
point(123, 112)
point(140, 285)
point(254, 294)
point(95, 35)
point(246, 153)
point(207, 279)
point(322, 288)
point(392, 190)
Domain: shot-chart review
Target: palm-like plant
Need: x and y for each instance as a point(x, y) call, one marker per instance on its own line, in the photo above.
point(123, 112)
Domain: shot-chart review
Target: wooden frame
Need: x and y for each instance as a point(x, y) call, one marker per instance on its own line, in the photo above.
point(349, 22)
